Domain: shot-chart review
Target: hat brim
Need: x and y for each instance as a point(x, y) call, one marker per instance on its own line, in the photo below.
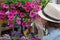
point(44, 17)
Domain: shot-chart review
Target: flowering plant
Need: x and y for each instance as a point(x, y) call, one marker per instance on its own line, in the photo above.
point(20, 12)
point(14, 12)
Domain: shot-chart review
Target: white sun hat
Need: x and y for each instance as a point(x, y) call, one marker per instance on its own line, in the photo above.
point(51, 12)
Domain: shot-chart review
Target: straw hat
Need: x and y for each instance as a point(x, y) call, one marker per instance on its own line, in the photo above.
point(51, 12)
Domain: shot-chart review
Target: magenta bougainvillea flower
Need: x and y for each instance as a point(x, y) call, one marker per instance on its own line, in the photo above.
point(28, 3)
point(4, 5)
point(33, 5)
point(38, 8)
point(27, 9)
point(10, 16)
point(24, 6)
point(19, 4)
point(24, 24)
point(18, 21)
point(28, 6)
point(18, 11)
point(11, 24)
point(13, 11)
point(2, 14)
point(32, 14)
point(12, 5)
point(22, 14)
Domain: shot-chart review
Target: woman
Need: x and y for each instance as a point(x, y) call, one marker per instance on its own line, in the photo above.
point(50, 19)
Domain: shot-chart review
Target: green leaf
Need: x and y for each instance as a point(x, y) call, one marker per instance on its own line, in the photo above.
point(7, 1)
point(22, 1)
point(44, 3)
point(15, 1)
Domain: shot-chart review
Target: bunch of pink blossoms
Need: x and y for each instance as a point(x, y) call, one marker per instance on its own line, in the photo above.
point(13, 12)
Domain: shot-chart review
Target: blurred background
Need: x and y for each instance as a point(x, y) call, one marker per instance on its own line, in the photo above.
point(55, 1)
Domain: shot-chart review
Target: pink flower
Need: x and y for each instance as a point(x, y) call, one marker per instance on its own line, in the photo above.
point(11, 24)
point(18, 21)
point(18, 4)
point(28, 6)
point(24, 24)
point(12, 5)
point(18, 11)
point(2, 14)
point(38, 8)
point(10, 16)
point(28, 3)
point(24, 6)
point(4, 5)
point(29, 24)
point(32, 14)
point(33, 5)
point(13, 11)
point(22, 14)
point(27, 9)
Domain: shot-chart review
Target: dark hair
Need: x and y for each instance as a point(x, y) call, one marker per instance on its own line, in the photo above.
point(52, 24)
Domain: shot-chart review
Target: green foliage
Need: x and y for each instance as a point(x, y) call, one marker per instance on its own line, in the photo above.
point(15, 1)
point(24, 1)
point(44, 3)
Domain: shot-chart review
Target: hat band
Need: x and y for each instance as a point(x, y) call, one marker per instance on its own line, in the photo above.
point(49, 16)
